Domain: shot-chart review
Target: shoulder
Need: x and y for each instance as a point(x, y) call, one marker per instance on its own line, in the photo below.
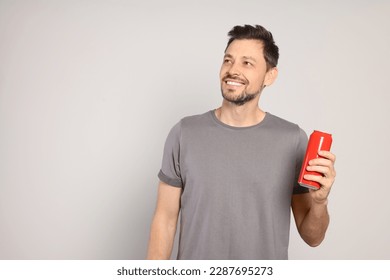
point(195, 119)
point(190, 123)
point(194, 122)
point(288, 129)
point(282, 124)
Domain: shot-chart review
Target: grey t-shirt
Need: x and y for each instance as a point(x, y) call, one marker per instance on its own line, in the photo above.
point(237, 184)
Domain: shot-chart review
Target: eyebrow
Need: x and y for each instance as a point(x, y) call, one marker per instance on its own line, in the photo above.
point(249, 57)
point(244, 57)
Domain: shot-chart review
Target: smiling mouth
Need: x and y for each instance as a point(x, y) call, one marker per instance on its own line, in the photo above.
point(234, 83)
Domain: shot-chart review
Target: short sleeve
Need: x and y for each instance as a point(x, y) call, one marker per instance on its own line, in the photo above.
point(170, 169)
point(300, 154)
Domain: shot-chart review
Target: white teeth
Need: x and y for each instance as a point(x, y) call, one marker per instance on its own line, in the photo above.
point(233, 83)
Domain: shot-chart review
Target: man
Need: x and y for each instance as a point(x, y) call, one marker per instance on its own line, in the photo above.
point(232, 172)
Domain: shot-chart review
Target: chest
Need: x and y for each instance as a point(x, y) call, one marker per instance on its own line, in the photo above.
point(253, 162)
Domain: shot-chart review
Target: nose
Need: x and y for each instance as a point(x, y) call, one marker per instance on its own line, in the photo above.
point(234, 70)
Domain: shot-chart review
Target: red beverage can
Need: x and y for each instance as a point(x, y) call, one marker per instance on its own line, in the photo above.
point(318, 141)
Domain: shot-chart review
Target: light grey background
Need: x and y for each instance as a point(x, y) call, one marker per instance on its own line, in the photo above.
point(90, 89)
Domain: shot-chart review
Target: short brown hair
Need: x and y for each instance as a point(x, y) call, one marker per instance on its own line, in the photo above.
point(257, 32)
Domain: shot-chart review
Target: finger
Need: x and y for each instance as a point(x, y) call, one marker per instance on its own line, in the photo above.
point(323, 166)
point(321, 161)
point(326, 173)
point(321, 169)
point(323, 181)
point(315, 178)
point(328, 155)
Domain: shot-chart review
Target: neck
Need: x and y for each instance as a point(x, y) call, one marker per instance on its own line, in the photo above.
point(248, 114)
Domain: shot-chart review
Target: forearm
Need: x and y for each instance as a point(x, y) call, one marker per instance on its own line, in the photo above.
point(314, 225)
point(162, 236)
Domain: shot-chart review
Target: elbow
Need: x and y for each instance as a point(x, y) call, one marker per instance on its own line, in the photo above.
point(313, 235)
point(313, 241)
point(314, 244)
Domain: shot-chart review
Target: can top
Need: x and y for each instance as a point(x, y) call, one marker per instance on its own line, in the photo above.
point(321, 132)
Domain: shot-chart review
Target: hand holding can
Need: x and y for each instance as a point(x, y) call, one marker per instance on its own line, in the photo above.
point(318, 141)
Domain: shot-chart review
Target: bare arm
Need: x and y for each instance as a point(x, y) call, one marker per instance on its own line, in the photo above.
point(164, 222)
point(311, 218)
point(310, 210)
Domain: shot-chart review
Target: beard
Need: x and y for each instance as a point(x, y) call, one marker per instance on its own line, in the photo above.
point(239, 100)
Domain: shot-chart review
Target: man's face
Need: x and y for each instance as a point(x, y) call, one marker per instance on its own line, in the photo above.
point(243, 71)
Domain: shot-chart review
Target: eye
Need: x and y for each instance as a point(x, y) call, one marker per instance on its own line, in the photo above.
point(247, 63)
point(227, 60)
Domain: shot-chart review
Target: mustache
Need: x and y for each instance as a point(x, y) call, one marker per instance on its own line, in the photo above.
point(234, 77)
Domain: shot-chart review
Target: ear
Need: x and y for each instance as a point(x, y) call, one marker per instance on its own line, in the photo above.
point(270, 76)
